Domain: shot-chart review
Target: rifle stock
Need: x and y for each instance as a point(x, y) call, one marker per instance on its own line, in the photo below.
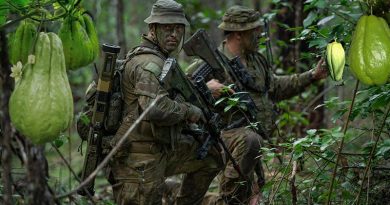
point(200, 45)
point(103, 91)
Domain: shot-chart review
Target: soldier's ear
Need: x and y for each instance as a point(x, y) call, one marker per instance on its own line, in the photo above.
point(152, 30)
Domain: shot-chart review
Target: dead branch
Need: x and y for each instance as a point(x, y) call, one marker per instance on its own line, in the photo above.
point(112, 152)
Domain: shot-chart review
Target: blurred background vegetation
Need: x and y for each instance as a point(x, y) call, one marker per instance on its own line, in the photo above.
point(300, 157)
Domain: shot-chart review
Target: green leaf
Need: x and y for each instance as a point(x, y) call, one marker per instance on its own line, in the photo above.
point(20, 3)
point(220, 100)
point(233, 102)
point(227, 108)
point(60, 141)
point(384, 149)
point(3, 17)
point(318, 43)
point(300, 141)
point(325, 20)
point(309, 19)
point(339, 114)
point(3, 12)
point(378, 101)
point(311, 132)
point(84, 119)
point(305, 32)
point(309, 1)
point(321, 4)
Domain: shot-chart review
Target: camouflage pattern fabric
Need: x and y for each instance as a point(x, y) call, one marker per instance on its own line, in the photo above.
point(156, 148)
point(167, 12)
point(244, 144)
point(271, 88)
point(240, 18)
point(141, 173)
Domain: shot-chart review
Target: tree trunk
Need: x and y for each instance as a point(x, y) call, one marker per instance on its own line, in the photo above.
point(120, 30)
point(6, 132)
point(37, 174)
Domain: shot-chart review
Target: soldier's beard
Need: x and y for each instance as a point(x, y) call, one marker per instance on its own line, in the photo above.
point(251, 42)
point(168, 42)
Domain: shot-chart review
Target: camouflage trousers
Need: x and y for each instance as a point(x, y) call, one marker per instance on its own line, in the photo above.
point(244, 145)
point(140, 173)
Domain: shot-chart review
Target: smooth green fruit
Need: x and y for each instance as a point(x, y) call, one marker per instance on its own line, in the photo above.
point(80, 41)
point(22, 42)
point(369, 54)
point(91, 31)
point(335, 57)
point(41, 106)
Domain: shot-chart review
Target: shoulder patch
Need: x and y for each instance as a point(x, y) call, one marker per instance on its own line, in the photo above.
point(154, 68)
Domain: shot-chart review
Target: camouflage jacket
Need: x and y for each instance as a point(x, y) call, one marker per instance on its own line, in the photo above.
point(270, 88)
point(140, 86)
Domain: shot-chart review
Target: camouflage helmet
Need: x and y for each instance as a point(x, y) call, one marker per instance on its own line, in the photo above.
point(240, 18)
point(167, 12)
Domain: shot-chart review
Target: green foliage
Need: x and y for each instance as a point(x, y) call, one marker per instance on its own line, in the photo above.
point(313, 149)
point(60, 141)
point(328, 20)
point(371, 100)
point(4, 10)
point(316, 151)
point(200, 14)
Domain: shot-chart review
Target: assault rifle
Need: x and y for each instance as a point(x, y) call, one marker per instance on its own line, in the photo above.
point(217, 64)
point(100, 108)
point(174, 79)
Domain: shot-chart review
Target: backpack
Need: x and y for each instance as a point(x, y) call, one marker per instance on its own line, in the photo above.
point(115, 113)
point(114, 110)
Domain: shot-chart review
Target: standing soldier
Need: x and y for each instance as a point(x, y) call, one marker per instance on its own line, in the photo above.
point(156, 148)
point(242, 31)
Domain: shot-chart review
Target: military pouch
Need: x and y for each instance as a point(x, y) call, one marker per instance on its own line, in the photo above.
point(114, 113)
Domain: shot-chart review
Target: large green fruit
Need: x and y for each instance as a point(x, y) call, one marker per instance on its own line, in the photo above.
point(335, 57)
point(91, 31)
point(80, 41)
point(369, 54)
point(22, 42)
point(41, 106)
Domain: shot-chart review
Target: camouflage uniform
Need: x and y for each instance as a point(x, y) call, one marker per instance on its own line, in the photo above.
point(243, 143)
point(156, 148)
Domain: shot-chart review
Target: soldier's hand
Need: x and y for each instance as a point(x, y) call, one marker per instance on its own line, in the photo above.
point(194, 114)
point(321, 70)
point(216, 88)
